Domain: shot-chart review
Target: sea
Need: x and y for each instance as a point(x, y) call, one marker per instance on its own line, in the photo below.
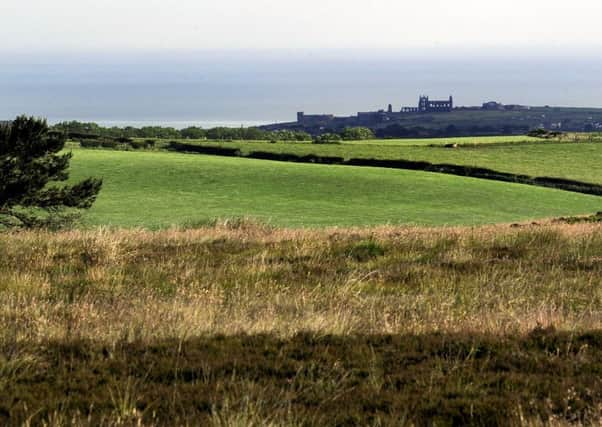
point(242, 88)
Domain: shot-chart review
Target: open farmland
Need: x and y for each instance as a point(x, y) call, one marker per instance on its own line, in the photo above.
point(157, 189)
point(512, 139)
point(577, 161)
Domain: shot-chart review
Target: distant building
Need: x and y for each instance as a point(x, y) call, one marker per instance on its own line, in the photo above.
point(493, 105)
point(410, 110)
point(428, 118)
point(314, 119)
point(373, 118)
point(427, 106)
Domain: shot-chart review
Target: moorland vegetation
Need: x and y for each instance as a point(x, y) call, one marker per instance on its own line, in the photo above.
point(243, 324)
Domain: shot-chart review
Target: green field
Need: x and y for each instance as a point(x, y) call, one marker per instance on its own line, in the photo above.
point(578, 161)
point(512, 139)
point(158, 189)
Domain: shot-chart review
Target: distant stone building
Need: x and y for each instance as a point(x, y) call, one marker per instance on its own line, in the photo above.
point(427, 106)
point(431, 118)
point(314, 119)
point(371, 118)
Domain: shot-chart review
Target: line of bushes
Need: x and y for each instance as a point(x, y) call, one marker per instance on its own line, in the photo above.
point(460, 170)
point(203, 149)
point(287, 157)
point(80, 130)
point(482, 173)
point(116, 143)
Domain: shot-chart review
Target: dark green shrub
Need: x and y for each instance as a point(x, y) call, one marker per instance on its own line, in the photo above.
point(327, 138)
point(137, 144)
point(357, 134)
point(543, 133)
point(89, 143)
point(302, 136)
point(201, 149)
point(109, 143)
point(76, 135)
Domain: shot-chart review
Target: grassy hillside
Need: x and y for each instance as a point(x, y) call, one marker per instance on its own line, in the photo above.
point(157, 189)
point(572, 118)
point(578, 161)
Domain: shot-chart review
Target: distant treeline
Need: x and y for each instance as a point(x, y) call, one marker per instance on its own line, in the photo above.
point(80, 130)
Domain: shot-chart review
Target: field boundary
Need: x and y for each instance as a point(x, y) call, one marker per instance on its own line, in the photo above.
point(444, 168)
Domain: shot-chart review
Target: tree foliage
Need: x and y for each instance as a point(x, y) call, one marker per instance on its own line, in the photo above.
point(357, 134)
point(327, 138)
point(31, 168)
point(92, 131)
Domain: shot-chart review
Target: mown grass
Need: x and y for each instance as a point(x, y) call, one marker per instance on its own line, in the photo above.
point(241, 324)
point(571, 160)
point(157, 189)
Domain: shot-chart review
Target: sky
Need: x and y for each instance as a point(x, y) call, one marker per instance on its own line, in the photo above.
point(159, 25)
point(236, 61)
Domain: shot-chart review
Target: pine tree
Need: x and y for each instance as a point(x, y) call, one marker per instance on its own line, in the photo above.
point(31, 168)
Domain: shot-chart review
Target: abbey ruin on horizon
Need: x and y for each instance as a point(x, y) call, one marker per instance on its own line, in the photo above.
point(439, 118)
point(425, 105)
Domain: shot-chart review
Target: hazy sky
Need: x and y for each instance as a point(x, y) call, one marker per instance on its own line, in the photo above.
point(264, 60)
point(91, 25)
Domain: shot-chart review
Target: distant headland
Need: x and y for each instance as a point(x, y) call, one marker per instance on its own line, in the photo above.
point(431, 118)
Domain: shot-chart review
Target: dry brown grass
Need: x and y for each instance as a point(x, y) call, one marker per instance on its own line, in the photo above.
point(379, 326)
point(131, 284)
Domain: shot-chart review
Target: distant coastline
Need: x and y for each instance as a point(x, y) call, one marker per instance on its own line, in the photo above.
point(249, 91)
point(176, 124)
